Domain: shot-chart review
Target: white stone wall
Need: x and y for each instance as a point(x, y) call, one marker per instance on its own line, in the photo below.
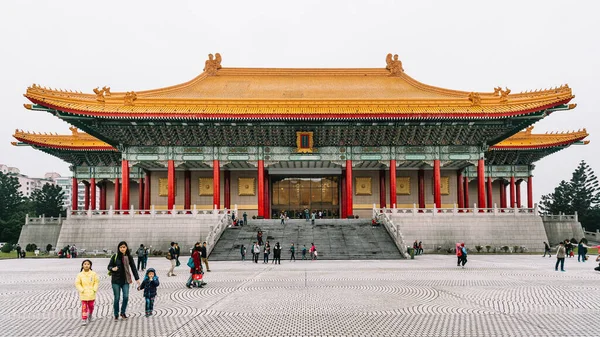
point(40, 234)
point(446, 230)
point(99, 234)
point(560, 230)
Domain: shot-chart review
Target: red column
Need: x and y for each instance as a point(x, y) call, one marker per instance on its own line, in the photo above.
point(490, 203)
point(147, 201)
point(460, 192)
point(467, 204)
point(74, 193)
point(117, 204)
point(480, 184)
point(141, 193)
point(216, 184)
point(518, 190)
point(101, 195)
point(512, 192)
point(171, 183)
point(349, 192)
point(125, 182)
point(530, 192)
point(502, 194)
point(103, 192)
point(382, 201)
point(393, 183)
point(437, 193)
point(267, 199)
point(93, 194)
point(86, 197)
point(342, 185)
point(187, 194)
point(227, 192)
point(261, 188)
point(421, 179)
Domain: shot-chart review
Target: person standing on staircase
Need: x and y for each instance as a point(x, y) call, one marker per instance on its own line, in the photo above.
point(293, 251)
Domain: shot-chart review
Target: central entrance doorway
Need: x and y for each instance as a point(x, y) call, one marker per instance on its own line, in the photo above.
point(294, 195)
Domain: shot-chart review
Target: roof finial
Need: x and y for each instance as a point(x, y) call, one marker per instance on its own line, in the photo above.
point(212, 64)
point(74, 130)
point(393, 65)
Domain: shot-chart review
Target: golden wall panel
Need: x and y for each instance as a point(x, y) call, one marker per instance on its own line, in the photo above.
point(363, 186)
point(205, 186)
point(403, 185)
point(246, 186)
point(163, 187)
point(445, 185)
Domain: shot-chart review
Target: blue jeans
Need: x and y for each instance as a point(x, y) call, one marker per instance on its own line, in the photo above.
point(117, 292)
point(149, 305)
point(560, 261)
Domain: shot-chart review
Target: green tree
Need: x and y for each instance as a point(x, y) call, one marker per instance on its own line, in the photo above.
point(48, 200)
point(13, 208)
point(581, 194)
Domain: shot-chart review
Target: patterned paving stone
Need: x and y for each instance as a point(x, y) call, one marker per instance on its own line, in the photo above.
point(494, 296)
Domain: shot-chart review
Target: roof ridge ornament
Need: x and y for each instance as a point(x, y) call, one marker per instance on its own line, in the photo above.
point(475, 98)
point(497, 90)
point(74, 131)
point(393, 65)
point(101, 93)
point(130, 96)
point(212, 64)
point(504, 95)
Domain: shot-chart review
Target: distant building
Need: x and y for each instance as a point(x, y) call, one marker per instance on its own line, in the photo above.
point(66, 184)
point(28, 185)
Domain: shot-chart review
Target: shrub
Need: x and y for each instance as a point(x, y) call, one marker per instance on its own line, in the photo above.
point(516, 249)
point(48, 247)
point(356, 217)
point(451, 250)
point(505, 249)
point(439, 248)
point(488, 247)
point(157, 252)
point(7, 247)
point(30, 247)
point(479, 248)
point(254, 217)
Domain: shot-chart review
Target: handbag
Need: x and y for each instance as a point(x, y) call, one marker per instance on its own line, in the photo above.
point(190, 262)
point(197, 276)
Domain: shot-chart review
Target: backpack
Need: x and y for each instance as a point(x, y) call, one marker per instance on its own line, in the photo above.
point(459, 252)
point(190, 262)
point(114, 258)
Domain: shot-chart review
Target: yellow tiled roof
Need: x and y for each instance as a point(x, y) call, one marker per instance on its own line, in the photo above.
point(525, 139)
point(75, 141)
point(292, 92)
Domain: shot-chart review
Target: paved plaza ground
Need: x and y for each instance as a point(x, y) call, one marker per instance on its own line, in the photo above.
point(495, 295)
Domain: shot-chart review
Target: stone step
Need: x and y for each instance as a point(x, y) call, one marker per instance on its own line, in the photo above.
point(335, 239)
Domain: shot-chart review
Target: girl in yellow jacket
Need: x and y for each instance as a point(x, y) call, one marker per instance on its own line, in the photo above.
point(87, 285)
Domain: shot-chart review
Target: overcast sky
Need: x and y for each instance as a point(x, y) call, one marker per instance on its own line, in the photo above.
point(463, 45)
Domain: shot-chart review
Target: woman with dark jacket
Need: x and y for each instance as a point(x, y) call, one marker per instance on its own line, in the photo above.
point(120, 266)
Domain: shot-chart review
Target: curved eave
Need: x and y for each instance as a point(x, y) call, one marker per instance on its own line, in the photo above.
point(381, 113)
point(66, 147)
point(562, 144)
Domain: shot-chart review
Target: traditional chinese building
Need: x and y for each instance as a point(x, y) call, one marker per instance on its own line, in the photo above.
point(284, 140)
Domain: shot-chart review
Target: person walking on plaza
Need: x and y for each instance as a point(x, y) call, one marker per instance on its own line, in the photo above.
point(256, 252)
point(86, 283)
point(18, 249)
point(149, 285)
point(304, 252)
point(561, 252)
point(277, 254)
point(171, 257)
point(312, 218)
point(243, 253)
point(177, 252)
point(204, 252)
point(463, 250)
point(121, 265)
point(197, 269)
point(420, 248)
point(547, 250)
point(293, 252)
point(282, 217)
point(581, 251)
point(141, 255)
point(245, 218)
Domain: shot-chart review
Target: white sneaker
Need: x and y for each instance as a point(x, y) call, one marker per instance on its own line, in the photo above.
point(84, 322)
